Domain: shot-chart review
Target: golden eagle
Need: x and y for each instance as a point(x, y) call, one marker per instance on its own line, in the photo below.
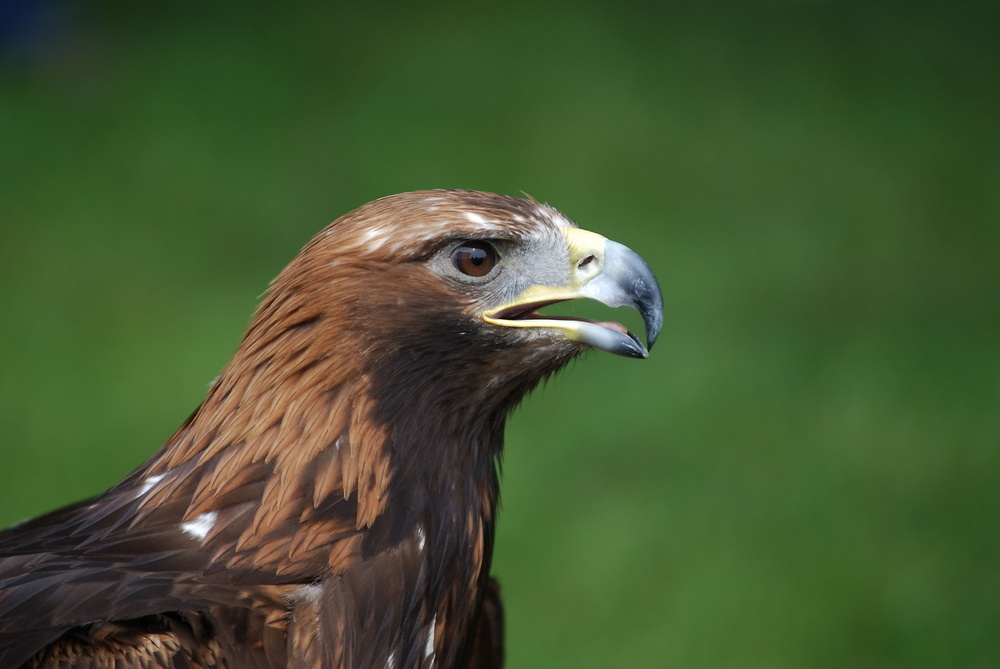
point(332, 502)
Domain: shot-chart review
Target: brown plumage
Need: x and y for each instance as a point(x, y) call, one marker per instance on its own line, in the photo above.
point(332, 501)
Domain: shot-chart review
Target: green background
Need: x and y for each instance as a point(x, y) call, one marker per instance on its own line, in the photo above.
point(804, 474)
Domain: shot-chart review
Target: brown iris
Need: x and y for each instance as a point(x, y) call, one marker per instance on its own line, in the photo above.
point(474, 258)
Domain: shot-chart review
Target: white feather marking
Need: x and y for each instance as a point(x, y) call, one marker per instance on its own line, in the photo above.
point(200, 526)
point(473, 217)
point(148, 484)
point(429, 646)
point(390, 662)
point(308, 592)
point(374, 238)
point(421, 537)
point(554, 217)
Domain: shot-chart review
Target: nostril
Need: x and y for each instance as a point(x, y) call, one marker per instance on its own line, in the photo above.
point(586, 261)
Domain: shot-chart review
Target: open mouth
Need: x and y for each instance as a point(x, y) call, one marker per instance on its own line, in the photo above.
point(532, 311)
point(616, 339)
point(620, 278)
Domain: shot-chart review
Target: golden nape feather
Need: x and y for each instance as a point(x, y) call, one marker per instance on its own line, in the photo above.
point(332, 501)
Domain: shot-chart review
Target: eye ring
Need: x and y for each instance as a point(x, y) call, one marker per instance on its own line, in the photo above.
point(474, 258)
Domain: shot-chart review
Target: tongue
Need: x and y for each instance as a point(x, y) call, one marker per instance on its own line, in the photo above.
point(611, 325)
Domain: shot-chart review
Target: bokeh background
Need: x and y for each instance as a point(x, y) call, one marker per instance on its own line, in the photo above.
point(806, 471)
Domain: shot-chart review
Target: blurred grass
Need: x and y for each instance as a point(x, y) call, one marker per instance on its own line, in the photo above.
point(805, 472)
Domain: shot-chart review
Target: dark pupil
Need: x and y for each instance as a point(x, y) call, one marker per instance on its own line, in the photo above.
point(477, 256)
point(474, 258)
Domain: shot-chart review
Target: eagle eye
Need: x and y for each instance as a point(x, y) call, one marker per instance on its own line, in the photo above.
point(474, 258)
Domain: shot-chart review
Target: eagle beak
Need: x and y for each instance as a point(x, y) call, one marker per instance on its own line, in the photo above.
point(602, 270)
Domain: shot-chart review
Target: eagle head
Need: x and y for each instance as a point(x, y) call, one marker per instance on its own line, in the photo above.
point(450, 283)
